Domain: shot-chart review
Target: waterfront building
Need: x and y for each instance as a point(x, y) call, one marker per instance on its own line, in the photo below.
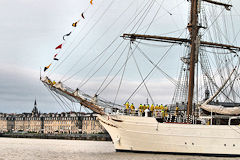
point(6, 123)
point(36, 121)
point(20, 124)
point(91, 125)
point(29, 122)
point(66, 122)
point(50, 123)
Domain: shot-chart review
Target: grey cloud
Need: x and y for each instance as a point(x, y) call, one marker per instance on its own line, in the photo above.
point(30, 30)
point(18, 89)
point(161, 91)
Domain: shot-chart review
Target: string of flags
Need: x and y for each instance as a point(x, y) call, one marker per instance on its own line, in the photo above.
point(64, 38)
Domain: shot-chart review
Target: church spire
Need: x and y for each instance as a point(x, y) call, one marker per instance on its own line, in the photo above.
point(35, 103)
point(35, 110)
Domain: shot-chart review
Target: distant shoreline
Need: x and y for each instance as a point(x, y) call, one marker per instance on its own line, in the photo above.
point(89, 137)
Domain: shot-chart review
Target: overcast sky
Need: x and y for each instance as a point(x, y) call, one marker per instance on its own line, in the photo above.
point(31, 29)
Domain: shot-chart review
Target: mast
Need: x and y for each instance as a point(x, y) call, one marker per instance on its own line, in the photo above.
point(193, 29)
point(194, 43)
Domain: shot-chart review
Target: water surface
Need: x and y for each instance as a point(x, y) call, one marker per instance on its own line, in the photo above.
point(44, 149)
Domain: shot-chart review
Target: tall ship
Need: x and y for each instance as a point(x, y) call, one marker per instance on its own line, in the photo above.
point(203, 116)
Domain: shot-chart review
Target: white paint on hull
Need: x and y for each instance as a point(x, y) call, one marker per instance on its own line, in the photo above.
point(146, 134)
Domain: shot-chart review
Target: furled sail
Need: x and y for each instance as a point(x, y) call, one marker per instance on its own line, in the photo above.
point(219, 108)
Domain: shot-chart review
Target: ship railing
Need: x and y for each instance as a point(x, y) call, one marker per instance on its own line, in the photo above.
point(173, 116)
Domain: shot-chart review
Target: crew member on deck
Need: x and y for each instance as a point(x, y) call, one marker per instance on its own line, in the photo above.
point(144, 107)
point(147, 106)
point(176, 111)
point(127, 107)
point(161, 107)
point(165, 111)
point(162, 110)
point(174, 117)
point(50, 82)
point(140, 109)
point(157, 111)
point(152, 109)
point(132, 108)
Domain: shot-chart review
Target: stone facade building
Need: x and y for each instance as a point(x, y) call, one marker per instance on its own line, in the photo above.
point(6, 123)
point(51, 123)
point(29, 122)
point(69, 122)
point(90, 124)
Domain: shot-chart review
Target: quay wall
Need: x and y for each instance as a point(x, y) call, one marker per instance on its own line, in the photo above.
point(90, 137)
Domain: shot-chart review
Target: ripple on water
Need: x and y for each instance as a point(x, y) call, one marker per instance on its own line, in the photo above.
point(44, 149)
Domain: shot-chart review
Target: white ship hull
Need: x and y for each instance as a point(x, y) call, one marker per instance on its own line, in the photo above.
point(131, 133)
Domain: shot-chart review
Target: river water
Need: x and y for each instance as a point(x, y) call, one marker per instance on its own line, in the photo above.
point(44, 149)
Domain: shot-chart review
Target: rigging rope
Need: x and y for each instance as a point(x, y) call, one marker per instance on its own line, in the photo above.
point(55, 98)
point(174, 82)
point(106, 31)
point(124, 28)
point(146, 11)
point(110, 44)
point(111, 70)
point(94, 25)
point(116, 74)
point(168, 12)
point(142, 79)
point(58, 96)
point(214, 20)
point(119, 86)
point(151, 70)
point(56, 66)
point(84, 82)
point(149, 73)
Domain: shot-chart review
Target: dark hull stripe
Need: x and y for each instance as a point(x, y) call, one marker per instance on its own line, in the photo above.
point(181, 153)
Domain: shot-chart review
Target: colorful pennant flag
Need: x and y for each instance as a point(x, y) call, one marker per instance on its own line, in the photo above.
point(91, 2)
point(59, 47)
point(45, 68)
point(66, 35)
point(83, 15)
point(75, 24)
point(54, 58)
